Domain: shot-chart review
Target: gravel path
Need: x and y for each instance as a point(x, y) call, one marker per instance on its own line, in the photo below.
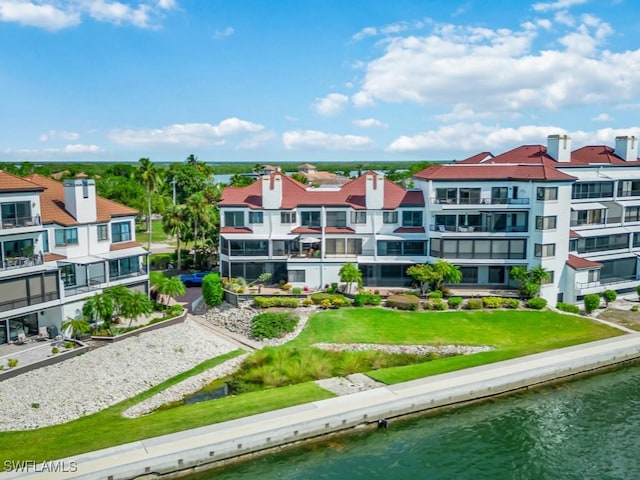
point(103, 377)
point(410, 349)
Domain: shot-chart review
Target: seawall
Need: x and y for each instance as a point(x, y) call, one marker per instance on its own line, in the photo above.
point(171, 455)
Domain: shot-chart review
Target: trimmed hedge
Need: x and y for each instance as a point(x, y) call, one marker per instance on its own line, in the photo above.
point(454, 302)
point(474, 304)
point(273, 325)
point(403, 302)
point(537, 303)
point(436, 294)
point(268, 302)
point(492, 302)
point(591, 302)
point(568, 307)
point(361, 299)
point(510, 303)
point(212, 291)
point(436, 304)
point(319, 297)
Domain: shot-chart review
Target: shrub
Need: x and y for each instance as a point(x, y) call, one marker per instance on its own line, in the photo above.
point(492, 302)
point(437, 304)
point(35, 405)
point(296, 290)
point(634, 308)
point(326, 303)
point(160, 261)
point(454, 302)
point(510, 303)
point(319, 297)
point(435, 295)
point(307, 302)
point(537, 303)
point(269, 302)
point(339, 302)
point(286, 287)
point(212, 293)
point(403, 302)
point(568, 307)
point(68, 344)
point(591, 302)
point(366, 299)
point(12, 362)
point(474, 304)
point(609, 296)
point(272, 325)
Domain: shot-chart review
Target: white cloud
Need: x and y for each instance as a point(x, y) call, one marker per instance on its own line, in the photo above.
point(507, 76)
point(256, 141)
point(55, 135)
point(80, 148)
point(227, 32)
point(331, 105)
point(291, 118)
point(602, 117)
point(370, 123)
point(557, 5)
point(41, 15)
point(389, 29)
point(314, 140)
point(56, 15)
point(71, 149)
point(187, 134)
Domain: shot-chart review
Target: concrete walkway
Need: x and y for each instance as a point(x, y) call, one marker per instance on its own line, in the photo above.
point(208, 445)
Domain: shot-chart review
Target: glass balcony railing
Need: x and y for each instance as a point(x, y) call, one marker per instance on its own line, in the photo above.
point(19, 222)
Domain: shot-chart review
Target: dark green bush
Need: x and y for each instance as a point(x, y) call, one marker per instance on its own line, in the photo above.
point(403, 302)
point(568, 307)
point(296, 290)
point(492, 302)
point(591, 302)
point(272, 325)
point(454, 302)
point(510, 303)
point(610, 296)
point(474, 304)
point(361, 299)
point(160, 261)
point(268, 302)
point(537, 303)
point(435, 294)
point(318, 297)
point(436, 304)
point(212, 290)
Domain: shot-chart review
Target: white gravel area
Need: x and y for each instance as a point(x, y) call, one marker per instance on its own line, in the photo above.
point(105, 376)
point(409, 349)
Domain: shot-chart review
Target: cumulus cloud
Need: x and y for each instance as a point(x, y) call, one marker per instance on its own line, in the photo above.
point(256, 141)
point(370, 123)
point(389, 29)
point(602, 117)
point(80, 148)
point(59, 135)
point(227, 32)
point(186, 134)
point(557, 5)
point(71, 149)
point(56, 15)
point(506, 73)
point(314, 140)
point(331, 105)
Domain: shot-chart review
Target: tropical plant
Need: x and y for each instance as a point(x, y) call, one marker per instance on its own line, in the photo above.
point(212, 292)
point(150, 178)
point(173, 222)
point(118, 296)
point(350, 274)
point(77, 326)
point(529, 281)
point(172, 287)
point(609, 296)
point(98, 308)
point(435, 275)
point(422, 273)
point(261, 280)
point(135, 305)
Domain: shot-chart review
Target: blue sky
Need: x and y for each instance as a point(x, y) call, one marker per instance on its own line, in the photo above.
point(282, 80)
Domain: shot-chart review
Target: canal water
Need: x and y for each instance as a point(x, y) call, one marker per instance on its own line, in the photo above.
point(586, 429)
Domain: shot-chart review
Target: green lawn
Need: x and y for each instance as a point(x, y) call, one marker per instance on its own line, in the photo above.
point(108, 428)
point(157, 234)
point(512, 333)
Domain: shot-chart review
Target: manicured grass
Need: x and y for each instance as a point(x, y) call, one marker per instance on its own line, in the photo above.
point(157, 234)
point(512, 333)
point(108, 428)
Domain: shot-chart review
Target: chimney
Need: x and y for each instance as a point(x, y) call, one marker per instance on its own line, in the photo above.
point(559, 148)
point(374, 191)
point(80, 200)
point(627, 148)
point(272, 191)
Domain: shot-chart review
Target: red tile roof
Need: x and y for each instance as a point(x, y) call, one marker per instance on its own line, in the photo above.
point(409, 230)
point(13, 183)
point(578, 263)
point(492, 171)
point(52, 207)
point(478, 158)
point(574, 234)
point(597, 154)
point(122, 246)
point(338, 230)
point(52, 257)
point(235, 230)
point(295, 194)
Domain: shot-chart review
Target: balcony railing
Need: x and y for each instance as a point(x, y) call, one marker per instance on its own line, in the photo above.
point(27, 301)
point(7, 223)
point(608, 221)
point(607, 281)
point(20, 262)
point(481, 201)
point(629, 193)
point(475, 229)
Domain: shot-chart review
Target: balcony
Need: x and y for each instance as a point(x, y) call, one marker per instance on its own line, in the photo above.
point(19, 222)
point(476, 229)
point(20, 262)
point(483, 200)
point(607, 281)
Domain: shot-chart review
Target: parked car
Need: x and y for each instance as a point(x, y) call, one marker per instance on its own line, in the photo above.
point(193, 279)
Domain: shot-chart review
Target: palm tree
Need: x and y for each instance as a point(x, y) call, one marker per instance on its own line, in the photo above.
point(197, 210)
point(350, 273)
point(99, 307)
point(173, 222)
point(445, 272)
point(150, 178)
point(118, 296)
point(78, 326)
point(135, 305)
point(171, 287)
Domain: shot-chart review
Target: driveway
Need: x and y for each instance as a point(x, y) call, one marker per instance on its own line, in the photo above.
point(191, 294)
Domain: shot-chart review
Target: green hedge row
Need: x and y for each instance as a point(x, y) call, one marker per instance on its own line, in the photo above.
point(268, 302)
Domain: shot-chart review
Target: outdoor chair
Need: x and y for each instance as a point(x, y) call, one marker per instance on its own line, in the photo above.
point(22, 339)
point(43, 334)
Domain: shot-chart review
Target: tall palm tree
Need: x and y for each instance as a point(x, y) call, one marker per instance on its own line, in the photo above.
point(135, 305)
point(197, 211)
point(172, 287)
point(173, 222)
point(350, 273)
point(150, 178)
point(98, 307)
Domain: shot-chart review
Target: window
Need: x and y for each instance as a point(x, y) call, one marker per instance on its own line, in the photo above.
point(629, 188)
point(632, 214)
point(594, 275)
point(335, 219)
point(496, 274)
point(592, 190)
point(389, 217)
point(234, 219)
point(499, 195)
point(85, 189)
point(545, 249)
point(587, 217)
point(412, 218)
point(603, 242)
point(389, 248)
point(480, 249)
point(287, 217)
point(447, 195)
point(15, 213)
point(45, 241)
point(297, 276)
point(469, 196)
point(358, 217)
point(469, 274)
point(549, 280)
point(573, 245)
point(121, 232)
point(546, 223)
point(66, 236)
point(310, 219)
point(103, 232)
point(396, 248)
point(124, 267)
point(547, 193)
point(256, 217)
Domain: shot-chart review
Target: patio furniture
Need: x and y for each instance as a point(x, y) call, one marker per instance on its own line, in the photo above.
point(43, 334)
point(22, 339)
